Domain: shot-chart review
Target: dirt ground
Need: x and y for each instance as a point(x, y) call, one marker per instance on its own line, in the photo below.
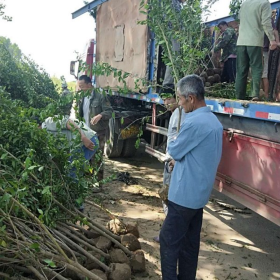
point(234, 245)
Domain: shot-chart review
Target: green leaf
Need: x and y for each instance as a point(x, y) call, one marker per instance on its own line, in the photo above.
point(3, 228)
point(32, 167)
point(6, 197)
point(3, 243)
point(24, 175)
point(35, 246)
point(46, 190)
point(50, 263)
point(79, 200)
point(27, 162)
point(4, 156)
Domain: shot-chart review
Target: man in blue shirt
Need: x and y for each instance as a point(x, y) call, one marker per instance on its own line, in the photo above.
point(197, 152)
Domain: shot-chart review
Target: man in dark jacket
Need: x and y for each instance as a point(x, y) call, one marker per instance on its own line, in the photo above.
point(96, 111)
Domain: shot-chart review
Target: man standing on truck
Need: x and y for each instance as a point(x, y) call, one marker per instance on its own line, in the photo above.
point(197, 152)
point(96, 111)
point(255, 20)
point(265, 80)
point(227, 43)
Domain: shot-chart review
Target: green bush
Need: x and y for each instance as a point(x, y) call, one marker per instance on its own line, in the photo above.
point(23, 78)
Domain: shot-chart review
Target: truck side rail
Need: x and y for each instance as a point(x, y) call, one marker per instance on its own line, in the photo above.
point(269, 111)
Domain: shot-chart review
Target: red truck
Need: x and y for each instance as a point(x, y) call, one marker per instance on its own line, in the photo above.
point(249, 171)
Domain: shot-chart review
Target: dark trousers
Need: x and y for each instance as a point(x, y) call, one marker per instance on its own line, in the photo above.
point(248, 57)
point(97, 160)
point(179, 242)
point(229, 71)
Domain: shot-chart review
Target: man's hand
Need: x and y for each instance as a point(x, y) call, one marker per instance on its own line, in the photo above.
point(171, 165)
point(96, 119)
point(273, 45)
point(88, 144)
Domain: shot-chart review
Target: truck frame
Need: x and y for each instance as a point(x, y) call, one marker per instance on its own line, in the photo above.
point(249, 171)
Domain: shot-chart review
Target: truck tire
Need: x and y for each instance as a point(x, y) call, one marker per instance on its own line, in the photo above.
point(113, 145)
point(129, 148)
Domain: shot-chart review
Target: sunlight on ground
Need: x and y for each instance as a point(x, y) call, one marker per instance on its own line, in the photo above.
point(140, 211)
point(230, 249)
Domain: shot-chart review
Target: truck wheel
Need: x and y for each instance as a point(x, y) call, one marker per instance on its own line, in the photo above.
point(113, 145)
point(129, 148)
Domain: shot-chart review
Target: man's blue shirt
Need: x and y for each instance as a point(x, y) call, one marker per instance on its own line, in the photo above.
point(197, 151)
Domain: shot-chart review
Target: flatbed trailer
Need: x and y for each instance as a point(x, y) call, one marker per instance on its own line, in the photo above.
point(249, 171)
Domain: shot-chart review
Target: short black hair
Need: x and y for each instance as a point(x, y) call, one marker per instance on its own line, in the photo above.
point(222, 23)
point(85, 78)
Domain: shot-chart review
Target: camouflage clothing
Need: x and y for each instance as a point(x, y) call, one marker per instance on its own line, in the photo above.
point(227, 43)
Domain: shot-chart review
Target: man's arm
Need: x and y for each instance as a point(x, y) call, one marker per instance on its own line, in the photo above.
point(224, 41)
point(107, 110)
point(188, 138)
point(266, 22)
point(71, 125)
point(276, 35)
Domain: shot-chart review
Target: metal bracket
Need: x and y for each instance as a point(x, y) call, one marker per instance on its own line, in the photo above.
point(275, 127)
point(87, 8)
point(245, 105)
point(230, 135)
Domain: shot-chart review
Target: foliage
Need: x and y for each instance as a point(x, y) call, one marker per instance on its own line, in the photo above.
point(222, 91)
point(57, 83)
point(2, 13)
point(184, 27)
point(234, 7)
point(35, 165)
point(72, 86)
point(23, 78)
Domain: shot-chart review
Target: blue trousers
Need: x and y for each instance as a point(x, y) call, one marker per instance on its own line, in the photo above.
point(179, 242)
point(88, 154)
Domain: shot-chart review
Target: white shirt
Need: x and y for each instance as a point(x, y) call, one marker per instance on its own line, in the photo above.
point(86, 110)
point(173, 126)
